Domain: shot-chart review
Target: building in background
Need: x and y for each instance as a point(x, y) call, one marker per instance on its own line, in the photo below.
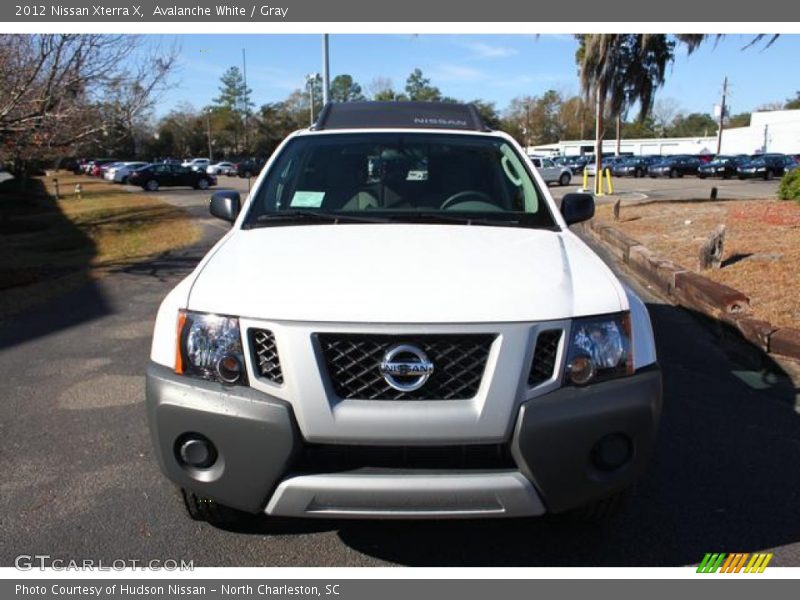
point(769, 131)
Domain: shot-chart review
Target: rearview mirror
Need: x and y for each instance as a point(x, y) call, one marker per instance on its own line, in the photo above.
point(576, 208)
point(225, 205)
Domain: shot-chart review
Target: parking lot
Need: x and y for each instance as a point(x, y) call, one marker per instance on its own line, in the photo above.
point(81, 481)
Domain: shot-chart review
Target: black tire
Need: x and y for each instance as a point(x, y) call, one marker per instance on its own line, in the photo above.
point(726, 175)
point(701, 175)
point(600, 511)
point(209, 511)
point(673, 173)
point(151, 185)
point(742, 177)
point(202, 184)
point(564, 179)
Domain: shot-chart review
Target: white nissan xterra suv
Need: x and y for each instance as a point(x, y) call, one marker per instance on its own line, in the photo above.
point(400, 324)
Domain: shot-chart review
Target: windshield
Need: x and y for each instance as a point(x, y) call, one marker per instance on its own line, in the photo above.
point(399, 177)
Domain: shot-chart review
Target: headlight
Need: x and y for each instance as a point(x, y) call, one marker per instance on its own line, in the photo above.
point(210, 346)
point(599, 349)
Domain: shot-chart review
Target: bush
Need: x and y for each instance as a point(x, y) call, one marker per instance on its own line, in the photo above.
point(789, 189)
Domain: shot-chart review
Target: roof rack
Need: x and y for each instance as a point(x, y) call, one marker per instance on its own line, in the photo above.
point(408, 115)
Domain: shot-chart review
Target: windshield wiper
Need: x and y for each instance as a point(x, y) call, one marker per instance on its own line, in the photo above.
point(313, 215)
point(439, 217)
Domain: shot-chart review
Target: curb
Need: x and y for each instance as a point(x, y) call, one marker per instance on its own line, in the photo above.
point(691, 290)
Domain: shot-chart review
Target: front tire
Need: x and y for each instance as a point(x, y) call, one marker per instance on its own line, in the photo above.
point(564, 179)
point(202, 184)
point(151, 185)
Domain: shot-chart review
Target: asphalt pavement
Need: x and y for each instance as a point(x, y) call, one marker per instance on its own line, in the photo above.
point(80, 480)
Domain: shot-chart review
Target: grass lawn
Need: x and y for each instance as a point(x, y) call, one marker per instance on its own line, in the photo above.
point(50, 245)
point(761, 254)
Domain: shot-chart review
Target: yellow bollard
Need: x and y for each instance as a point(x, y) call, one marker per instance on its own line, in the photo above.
point(610, 182)
point(585, 179)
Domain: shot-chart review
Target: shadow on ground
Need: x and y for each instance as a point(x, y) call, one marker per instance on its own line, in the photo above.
point(31, 227)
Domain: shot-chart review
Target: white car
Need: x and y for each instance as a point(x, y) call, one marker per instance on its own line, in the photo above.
point(196, 164)
point(379, 343)
point(551, 172)
point(119, 172)
point(221, 168)
point(108, 168)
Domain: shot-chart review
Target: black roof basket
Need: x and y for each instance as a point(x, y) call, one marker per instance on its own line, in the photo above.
point(406, 115)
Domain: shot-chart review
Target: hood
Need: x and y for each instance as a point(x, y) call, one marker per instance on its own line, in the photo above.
point(399, 273)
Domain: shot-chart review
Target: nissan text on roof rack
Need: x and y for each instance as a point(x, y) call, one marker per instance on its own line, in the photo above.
point(399, 324)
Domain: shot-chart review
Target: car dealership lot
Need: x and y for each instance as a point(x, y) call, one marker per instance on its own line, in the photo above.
point(81, 482)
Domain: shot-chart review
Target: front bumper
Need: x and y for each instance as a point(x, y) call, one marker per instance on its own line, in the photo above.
point(258, 442)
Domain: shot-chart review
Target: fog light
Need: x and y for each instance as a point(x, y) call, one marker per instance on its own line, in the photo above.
point(229, 369)
point(612, 452)
point(197, 451)
point(581, 370)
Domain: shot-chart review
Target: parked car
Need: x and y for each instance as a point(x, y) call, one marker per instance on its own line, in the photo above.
point(197, 164)
point(724, 166)
point(765, 166)
point(634, 166)
point(301, 370)
point(94, 167)
point(551, 172)
point(249, 167)
point(675, 166)
point(221, 168)
point(608, 163)
point(158, 175)
point(576, 164)
point(120, 172)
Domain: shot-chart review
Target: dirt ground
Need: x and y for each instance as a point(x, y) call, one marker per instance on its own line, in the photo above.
point(761, 253)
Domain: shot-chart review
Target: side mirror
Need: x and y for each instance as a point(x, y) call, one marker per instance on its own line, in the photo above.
point(576, 208)
point(225, 205)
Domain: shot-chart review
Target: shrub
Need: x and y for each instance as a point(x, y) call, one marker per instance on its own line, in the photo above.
point(789, 189)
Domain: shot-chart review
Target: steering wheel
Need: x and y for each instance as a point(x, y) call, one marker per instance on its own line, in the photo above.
point(460, 197)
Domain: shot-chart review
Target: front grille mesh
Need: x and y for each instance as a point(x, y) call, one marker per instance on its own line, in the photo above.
point(544, 356)
point(353, 360)
point(265, 353)
point(328, 458)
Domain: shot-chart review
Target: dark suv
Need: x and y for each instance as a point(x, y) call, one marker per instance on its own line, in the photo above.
point(635, 166)
point(250, 167)
point(766, 166)
point(722, 166)
point(675, 166)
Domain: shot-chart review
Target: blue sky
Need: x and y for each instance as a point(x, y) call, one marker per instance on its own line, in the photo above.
point(491, 67)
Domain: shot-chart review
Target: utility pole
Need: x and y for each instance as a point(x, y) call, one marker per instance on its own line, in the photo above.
point(326, 71)
point(311, 79)
point(722, 114)
point(246, 99)
point(208, 131)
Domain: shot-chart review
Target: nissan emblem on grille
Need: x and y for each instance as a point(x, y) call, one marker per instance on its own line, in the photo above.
point(406, 368)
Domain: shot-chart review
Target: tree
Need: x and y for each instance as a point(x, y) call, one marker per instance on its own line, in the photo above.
point(419, 88)
point(620, 70)
point(692, 125)
point(738, 120)
point(60, 93)
point(793, 103)
point(233, 104)
point(344, 89)
point(381, 89)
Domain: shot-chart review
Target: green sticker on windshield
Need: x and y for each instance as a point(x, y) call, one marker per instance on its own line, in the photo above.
point(307, 199)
